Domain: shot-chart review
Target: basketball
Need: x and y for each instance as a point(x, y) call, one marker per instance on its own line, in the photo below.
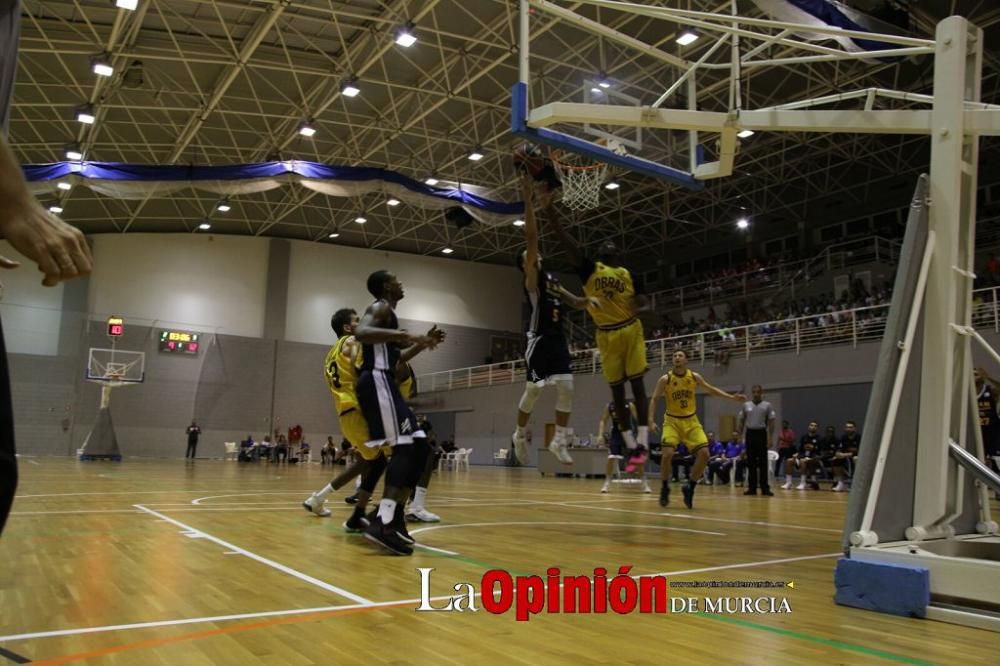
point(529, 158)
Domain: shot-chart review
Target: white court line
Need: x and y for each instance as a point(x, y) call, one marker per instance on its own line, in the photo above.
point(436, 550)
point(574, 523)
point(62, 513)
point(759, 523)
point(148, 492)
point(34, 462)
point(257, 558)
point(373, 604)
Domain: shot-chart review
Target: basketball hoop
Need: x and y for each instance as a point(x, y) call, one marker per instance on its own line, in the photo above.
point(581, 177)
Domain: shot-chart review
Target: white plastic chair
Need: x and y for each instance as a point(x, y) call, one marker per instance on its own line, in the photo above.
point(447, 460)
point(501, 455)
point(772, 457)
point(232, 449)
point(463, 458)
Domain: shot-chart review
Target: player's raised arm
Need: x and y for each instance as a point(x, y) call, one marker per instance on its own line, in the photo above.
point(530, 235)
point(717, 392)
point(658, 393)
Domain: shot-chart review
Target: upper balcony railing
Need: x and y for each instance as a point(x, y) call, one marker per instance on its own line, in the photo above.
point(785, 277)
point(838, 327)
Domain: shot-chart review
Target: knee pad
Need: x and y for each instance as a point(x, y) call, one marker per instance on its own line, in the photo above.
point(529, 397)
point(564, 394)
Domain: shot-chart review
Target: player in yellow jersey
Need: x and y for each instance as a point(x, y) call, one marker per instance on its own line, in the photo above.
point(680, 423)
point(619, 332)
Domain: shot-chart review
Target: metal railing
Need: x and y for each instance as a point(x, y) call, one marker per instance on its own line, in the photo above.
point(839, 327)
point(784, 278)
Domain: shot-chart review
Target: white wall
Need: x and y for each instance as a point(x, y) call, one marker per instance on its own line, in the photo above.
point(324, 278)
point(198, 281)
point(31, 313)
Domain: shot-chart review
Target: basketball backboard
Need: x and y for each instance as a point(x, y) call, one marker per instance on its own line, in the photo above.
point(116, 366)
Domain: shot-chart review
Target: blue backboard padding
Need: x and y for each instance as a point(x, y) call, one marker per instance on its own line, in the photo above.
point(554, 139)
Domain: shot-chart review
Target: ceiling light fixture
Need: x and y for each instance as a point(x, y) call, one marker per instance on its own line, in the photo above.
point(518, 223)
point(603, 80)
point(204, 226)
point(476, 154)
point(392, 202)
point(744, 134)
point(307, 128)
point(405, 36)
point(55, 209)
point(350, 88)
point(127, 4)
point(64, 186)
point(335, 234)
point(101, 65)
point(612, 186)
point(85, 114)
point(742, 224)
point(73, 152)
point(223, 207)
point(431, 180)
point(687, 38)
point(447, 250)
point(361, 219)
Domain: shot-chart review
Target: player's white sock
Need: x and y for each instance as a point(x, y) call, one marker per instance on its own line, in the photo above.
point(643, 436)
point(321, 494)
point(386, 510)
point(520, 431)
point(561, 433)
point(629, 438)
point(418, 498)
point(357, 482)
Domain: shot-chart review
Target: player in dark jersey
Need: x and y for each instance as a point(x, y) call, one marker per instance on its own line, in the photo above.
point(389, 418)
point(546, 349)
point(987, 389)
point(616, 444)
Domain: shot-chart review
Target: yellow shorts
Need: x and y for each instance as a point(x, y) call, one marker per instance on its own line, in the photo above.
point(687, 431)
point(623, 352)
point(355, 430)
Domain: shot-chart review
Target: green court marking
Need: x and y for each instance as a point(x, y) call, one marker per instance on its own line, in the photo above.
point(840, 645)
point(819, 640)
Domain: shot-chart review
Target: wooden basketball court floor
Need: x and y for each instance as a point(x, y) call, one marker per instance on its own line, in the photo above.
point(163, 562)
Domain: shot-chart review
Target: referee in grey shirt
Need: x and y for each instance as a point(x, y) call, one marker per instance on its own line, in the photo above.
point(757, 424)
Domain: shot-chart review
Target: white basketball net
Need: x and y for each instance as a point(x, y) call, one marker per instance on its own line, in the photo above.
point(581, 178)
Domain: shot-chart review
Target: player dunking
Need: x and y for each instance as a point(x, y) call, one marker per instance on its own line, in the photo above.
point(681, 424)
point(390, 420)
point(619, 331)
point(546, 349)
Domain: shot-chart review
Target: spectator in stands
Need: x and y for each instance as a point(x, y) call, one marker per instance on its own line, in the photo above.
point(304, 451)
point(682, 458)
point(280, 452)
point(786, 447)
point(736, 454)
point(329, 451)
point(805, 460)
point(448, 445)
point(263, 449)
point(993, 270)
point(717, 461)
point(846, 452)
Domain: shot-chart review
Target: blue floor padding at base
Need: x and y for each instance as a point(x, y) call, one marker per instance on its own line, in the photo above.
point(898, 589)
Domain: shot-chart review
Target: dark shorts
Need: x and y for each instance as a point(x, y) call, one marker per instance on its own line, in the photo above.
point(616, 445)
point(547, 356)
point(389, 418)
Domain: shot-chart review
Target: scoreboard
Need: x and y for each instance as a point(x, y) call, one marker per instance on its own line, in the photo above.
point(179, 342)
